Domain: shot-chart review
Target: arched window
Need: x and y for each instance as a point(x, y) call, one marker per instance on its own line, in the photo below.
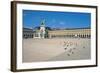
point(32, 36)
point(85, 36)
point(79, 35)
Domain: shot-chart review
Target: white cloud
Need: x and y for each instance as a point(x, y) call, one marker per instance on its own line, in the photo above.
point(62, 23)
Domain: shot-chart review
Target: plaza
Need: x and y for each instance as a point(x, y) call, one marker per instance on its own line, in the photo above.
point(55, 49)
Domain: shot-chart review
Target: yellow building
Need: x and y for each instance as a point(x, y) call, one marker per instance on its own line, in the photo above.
point(68, 33)
point(71, 33)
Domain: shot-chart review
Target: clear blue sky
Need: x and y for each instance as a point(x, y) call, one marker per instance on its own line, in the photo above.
point(32, 18)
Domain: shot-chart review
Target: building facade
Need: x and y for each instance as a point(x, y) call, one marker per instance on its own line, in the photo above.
point(28, 33)
point(71, 33)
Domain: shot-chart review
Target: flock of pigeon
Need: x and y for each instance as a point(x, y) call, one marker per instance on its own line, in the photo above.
point(70, 47)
